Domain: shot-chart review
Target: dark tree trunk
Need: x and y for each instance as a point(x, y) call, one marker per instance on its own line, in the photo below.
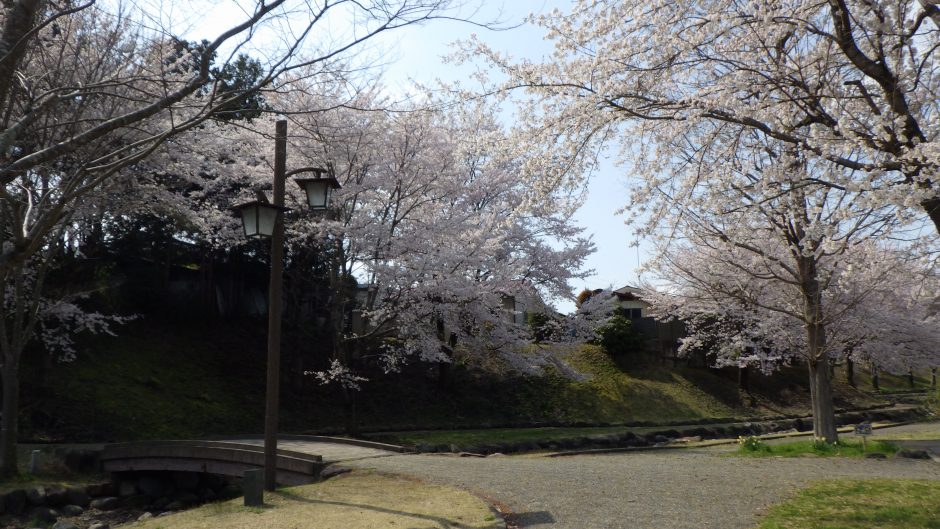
point(933, 378)
point(9, 432)
point(744, 379)
point(910, 378)
point(824, 422)
point(932, 207)
point(820, 366)
point(850, 371)
point(349, 411)
point(874, 377)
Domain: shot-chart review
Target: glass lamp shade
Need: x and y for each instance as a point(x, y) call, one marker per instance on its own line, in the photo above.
point(318, 190)
point(258, 218)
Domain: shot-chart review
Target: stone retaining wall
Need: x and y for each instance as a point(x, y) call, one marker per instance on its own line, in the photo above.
point(628, 439)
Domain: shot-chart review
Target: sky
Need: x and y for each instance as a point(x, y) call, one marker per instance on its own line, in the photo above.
point(416, 54)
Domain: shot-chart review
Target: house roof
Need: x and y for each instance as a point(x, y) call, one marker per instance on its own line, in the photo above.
point(628, 293)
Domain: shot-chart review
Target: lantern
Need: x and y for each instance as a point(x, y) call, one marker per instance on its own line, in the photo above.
point(318, 189)
point(258, 218)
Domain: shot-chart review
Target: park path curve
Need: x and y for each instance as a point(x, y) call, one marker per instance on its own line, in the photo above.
point(665, 489)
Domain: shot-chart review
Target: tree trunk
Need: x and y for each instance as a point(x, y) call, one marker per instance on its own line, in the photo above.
point(824, 417)
point(9, 432)
point(349, 411)
point(910, 378)
point(850, 371)
point(874, 377)
point(933, 378)
point(744, 380)
point(932, 207)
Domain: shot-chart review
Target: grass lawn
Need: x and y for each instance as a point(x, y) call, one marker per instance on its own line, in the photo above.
point(359, 499)
point(844, 448)
point(860, 504)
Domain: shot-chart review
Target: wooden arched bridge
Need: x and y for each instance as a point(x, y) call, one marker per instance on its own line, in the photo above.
point(299, 462)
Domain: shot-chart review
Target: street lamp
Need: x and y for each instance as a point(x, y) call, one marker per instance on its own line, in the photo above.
point(261, 219)
point(318, 189)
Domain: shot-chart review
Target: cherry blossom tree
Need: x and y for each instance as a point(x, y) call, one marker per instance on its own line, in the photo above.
point(771, 268)
point(850, 83)
point(88, 92)
point(431, 222)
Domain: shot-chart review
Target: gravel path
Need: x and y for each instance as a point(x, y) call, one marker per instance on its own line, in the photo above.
point(689, 489)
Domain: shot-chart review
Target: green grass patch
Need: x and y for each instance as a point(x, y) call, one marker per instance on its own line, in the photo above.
point(860, 504)
point(754, 447)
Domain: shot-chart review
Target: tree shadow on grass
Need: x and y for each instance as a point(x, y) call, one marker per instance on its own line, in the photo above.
point(441, 521)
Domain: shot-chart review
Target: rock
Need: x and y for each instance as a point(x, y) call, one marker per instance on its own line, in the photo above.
point(174, 506)
point(692, 439)
point(230, 491)
point(207, 494)
point(36, 495)
point(145, 516)
point(875, 456)
point(56, 496)
point(64, 525)
point(137, 501)
point(108, 503)
point(186, 480)
point(213, 481)
point(151, 486)
point(497, 454)
point(78, 497)
point(71, 510)
point(99, 525)
point(470, 454)
point(100, 490)
point(187, 498)
point(913, 454)
point(423, 448)
point(14, 502)
point(160, 503)
point(44, 514)
point(659, 439)
point(126, 488)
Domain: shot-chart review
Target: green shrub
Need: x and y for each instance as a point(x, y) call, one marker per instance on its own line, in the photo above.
point(752, 443)
point(618, 337)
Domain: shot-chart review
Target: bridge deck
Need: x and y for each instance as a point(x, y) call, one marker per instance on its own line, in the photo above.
point(215, 457)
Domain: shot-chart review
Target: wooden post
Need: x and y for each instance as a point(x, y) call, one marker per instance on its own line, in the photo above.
point(274, 312)
point(252, 485)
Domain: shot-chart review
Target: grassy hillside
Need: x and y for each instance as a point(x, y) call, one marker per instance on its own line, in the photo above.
point(160, 380)
point(152, 381)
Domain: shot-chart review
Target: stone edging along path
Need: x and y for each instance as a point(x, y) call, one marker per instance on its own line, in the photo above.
point(654, 436)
